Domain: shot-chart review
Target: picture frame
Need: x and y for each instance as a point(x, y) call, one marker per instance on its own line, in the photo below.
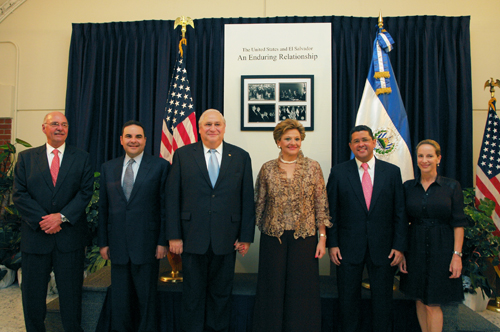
point(267, 100)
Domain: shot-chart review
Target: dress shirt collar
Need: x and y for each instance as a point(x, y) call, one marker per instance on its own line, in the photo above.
point(438, 180)
point(50, 148)
point(218, 154)
point(371, 163)
point(137, 159)
point(218, 149)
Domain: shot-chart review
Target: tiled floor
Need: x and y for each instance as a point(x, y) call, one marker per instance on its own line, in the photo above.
point(11, 310)
point(493, 317)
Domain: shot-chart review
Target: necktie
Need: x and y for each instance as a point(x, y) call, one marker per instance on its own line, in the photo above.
point(128, 179)
point(54, 167)
point(366, 183)
point(213, 167)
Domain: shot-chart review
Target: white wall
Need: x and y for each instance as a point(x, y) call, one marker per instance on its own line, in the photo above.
point(260, 144)
point(41, 30)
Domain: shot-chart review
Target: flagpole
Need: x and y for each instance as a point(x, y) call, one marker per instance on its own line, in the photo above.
point(382, 109)
point(494, 305)
point(173, 137)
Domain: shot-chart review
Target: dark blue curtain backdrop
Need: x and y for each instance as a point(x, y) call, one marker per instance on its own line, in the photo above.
point(121, 71)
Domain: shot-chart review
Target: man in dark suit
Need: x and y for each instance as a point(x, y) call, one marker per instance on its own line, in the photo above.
point(132, 229)
point(209, 216)
point(52, 187)
point(369, 228)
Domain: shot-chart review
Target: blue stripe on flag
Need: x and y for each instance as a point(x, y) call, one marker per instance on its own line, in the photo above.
point(393, 104)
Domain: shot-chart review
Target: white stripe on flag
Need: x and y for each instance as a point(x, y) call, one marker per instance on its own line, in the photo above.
point(486, 182)
point(164, 153)
point(189, 128)
point(373, 114)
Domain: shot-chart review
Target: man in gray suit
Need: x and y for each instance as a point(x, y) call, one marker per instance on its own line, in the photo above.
point(210, 214)
point(52, 187)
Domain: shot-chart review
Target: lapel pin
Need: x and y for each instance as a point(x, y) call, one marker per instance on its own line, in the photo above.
point(229, 155)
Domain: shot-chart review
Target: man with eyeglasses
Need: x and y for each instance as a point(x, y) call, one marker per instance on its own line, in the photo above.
point(369, 228)
point(52, 187)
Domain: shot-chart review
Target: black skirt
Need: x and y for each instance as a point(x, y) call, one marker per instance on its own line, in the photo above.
point(428, 263)
point(288, 295)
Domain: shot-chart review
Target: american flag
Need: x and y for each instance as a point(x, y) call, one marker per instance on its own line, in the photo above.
point(179, 121)
point(488, 165)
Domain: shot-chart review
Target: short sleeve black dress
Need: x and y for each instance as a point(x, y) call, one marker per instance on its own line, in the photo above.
point(432, 215)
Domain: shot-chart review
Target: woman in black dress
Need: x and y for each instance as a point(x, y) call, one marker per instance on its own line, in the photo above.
point(434, 205)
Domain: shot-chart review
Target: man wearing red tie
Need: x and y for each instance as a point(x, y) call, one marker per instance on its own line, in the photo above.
point(52, 187)
point(369, 228)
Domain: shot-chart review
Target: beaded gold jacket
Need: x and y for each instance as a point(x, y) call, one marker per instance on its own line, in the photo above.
point(305, 192)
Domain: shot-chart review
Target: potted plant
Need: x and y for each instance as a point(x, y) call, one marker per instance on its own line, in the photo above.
point(481, 247)
point(94, 261)
point(10, 221)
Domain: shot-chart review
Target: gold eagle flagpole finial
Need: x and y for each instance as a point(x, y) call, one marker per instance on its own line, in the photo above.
point(492, 84)
point(184, 22)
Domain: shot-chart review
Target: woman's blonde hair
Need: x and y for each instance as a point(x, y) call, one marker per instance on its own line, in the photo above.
point(288, 124)
point(432, 143)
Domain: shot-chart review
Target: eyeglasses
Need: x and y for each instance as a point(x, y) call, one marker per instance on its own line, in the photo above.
point(57, 124)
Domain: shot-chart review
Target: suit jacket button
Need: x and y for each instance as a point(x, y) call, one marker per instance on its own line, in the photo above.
point(53, 203)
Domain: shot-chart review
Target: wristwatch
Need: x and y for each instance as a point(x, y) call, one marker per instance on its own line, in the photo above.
point(458, 253)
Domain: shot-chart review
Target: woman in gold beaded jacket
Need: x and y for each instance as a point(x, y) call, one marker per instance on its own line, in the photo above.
point(291, 210)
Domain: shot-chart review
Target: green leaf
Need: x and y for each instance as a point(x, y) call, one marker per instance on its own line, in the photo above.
point(23, 143)
point(4, 155)
point(479, 244)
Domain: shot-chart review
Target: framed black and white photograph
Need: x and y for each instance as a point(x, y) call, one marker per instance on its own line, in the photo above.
point(261, 113)
point(293, 91)
point(268, 99)
point(292, 112)
point(262, 91)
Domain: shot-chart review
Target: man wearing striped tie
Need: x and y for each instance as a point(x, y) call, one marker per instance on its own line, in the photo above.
point(52, 187)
